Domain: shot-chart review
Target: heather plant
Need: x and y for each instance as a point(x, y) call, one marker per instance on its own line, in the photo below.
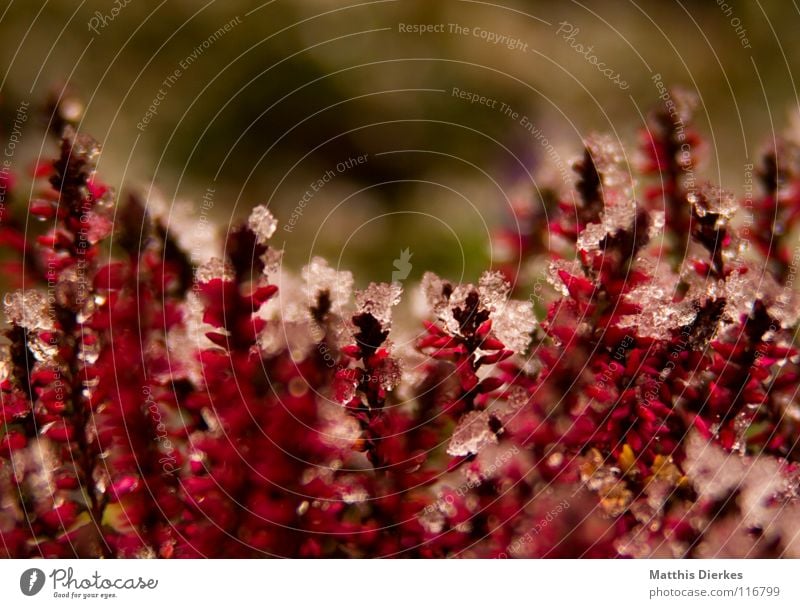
point(157, 407)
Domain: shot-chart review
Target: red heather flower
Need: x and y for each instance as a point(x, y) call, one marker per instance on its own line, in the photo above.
point(155, 405)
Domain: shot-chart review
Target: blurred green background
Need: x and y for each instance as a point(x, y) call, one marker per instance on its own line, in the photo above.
point(262, 111)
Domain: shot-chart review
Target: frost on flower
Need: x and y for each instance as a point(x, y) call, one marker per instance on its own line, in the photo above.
point(512, 320)
point(571, 267)
point(472, 434)
point(513, 324)
point(616, 184)
point(182, 342)
point(608, 158)
point(437, 292)
point(648, 436)
point(215, 268)
point(390, 373)
point(262, 223)
point(712, 200)
point(194, 236)
point(494, 290)
point(327, 286)
point(442, 297)
point(291, 328)
point(28, 309)
point(378, 300)
point(716, 474)
point(338, 429)
point(273, 260)
point(620, 217)
point(660, 314)
point(506, 409)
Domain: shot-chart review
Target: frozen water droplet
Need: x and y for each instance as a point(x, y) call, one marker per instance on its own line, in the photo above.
point(711, 199)
point(354, 495)
point(741, 290)
point(389, 373)
point(378, 299)
point(432, 520)
point(493, 289)
point(190, 229)
point(715, 474)
point(321, 278)
point(273, 259)
point(436, 294)
point(215, 268)
point(659, 315)
point(513, 324)
point(607, 156)
point(571, 267)
point(28, 309)
point(471, 434)
point(344, 390)
point(262, 223)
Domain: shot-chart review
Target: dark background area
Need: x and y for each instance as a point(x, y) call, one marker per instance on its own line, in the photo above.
point(297, 87)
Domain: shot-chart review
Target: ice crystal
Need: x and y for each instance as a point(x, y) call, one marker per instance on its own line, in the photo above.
point(291, 327)
point(389, 373)
point(262, 223)
point(433, 521)
point(571, 267)
point(619, 207)
point(442, 297)
point(658, 221)
point(215, 268)
point(192, 231)
point(378, 299)
point(591, 236)
point(660, 315)
point(38, 463)
point(338, 429)
point(716, 474)
point(513, 324)
point(345, 390)
point(507, 408)
point(183, 342)
point(273, 260)
point(614, 219)
point(741, 290)
point(437, 292)
point(322, 280)
point(713, 200)
point(494, 290)
point(607, 155)
point(471, 435)
point(28, 309)
point(292, 336)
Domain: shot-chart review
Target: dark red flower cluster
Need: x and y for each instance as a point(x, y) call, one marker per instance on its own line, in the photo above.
point(159, 405)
